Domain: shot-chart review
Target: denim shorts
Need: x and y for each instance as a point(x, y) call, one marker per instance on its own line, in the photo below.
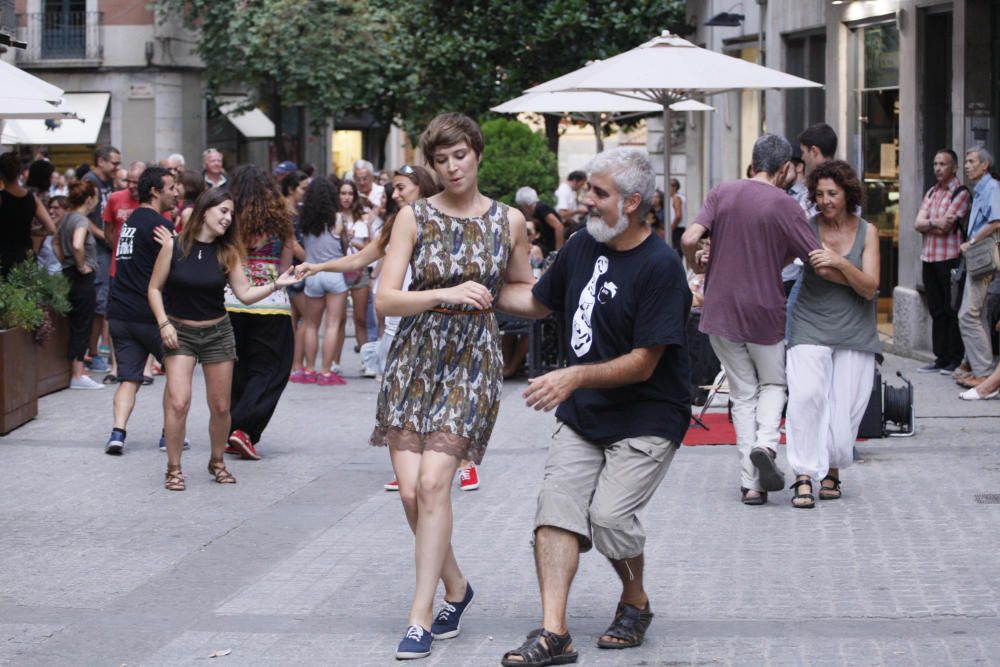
point(209, 345)
point(325, 282)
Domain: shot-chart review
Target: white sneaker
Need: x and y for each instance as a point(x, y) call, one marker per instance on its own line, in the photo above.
point(335, 368)
point(368, 373)
point(84, 382)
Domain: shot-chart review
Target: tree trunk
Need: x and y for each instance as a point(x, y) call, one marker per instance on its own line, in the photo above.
point(552, 131)
point(279, 125)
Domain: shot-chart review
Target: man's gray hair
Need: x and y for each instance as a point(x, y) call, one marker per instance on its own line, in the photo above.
point(526, 196)
point(770, 152)
point(631, 171)
point(138, 165)
point(209, 151)
point(364, 165)
point(177, 157)
point(983, 154)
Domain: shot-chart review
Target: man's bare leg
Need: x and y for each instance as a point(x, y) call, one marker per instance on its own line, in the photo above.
point(629, 570)
point(557, 556)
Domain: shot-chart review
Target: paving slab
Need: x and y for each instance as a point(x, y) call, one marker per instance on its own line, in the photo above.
point(307, 561)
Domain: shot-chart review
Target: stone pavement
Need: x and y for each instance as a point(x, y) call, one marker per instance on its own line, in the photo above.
point(307, 561)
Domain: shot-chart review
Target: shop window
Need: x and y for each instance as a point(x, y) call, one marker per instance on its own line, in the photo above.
point(805, 56)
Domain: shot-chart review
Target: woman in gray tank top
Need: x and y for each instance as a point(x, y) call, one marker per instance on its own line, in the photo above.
point(833, 337)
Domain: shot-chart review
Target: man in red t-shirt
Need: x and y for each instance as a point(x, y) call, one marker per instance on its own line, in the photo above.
point(120, 206)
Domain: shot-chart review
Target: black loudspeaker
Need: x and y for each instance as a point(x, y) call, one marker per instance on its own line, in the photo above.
point(871, 423)
point(887, 406)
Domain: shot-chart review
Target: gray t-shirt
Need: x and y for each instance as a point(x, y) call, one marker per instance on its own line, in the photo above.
point(70, 224)
point(322, 248)
point(834, 315)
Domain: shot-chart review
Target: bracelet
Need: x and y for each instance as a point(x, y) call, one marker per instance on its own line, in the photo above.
point(166, 323)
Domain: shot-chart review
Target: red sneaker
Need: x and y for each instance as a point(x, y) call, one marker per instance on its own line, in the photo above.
point(241, 442)
point(391, 486)
point(469, 478)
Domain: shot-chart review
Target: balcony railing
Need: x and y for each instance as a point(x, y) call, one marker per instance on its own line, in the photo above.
point(61, 36)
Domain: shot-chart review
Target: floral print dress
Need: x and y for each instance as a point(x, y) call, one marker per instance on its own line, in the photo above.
point(444, 372)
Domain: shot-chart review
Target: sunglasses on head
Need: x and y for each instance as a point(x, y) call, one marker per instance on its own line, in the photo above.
point(405, 170)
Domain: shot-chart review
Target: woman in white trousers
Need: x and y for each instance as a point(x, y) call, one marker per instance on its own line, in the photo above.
point(833, 337)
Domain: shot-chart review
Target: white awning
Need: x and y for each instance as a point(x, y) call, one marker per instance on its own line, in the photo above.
point(89, 107)
point(252, 124)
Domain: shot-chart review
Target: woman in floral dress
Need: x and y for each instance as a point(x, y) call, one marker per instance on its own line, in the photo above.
point(440, 396)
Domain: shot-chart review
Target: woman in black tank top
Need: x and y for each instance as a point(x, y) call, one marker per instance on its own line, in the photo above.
point(186, 297)
point(18, 208)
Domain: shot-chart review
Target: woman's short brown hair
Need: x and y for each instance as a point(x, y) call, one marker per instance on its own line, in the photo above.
point(844, 176)
point(448, 129)
point(80, 192)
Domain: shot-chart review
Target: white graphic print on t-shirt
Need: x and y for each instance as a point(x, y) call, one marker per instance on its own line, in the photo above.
point(583, 335)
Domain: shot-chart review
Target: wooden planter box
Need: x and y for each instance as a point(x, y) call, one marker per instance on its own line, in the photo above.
point(54, 368)
point(18, 379)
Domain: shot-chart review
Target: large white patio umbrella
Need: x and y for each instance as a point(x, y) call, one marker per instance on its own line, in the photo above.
point(16, 83)
point(585, 106)
point(13, 108)
point(26, 97)
point(589, 105)
point(668, 69)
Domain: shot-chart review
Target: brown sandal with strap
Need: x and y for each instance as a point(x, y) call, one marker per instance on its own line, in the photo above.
point(831, 492)
point(175, 479)
point(217, 468)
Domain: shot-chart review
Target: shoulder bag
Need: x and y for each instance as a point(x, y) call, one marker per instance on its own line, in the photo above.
point(983, 258)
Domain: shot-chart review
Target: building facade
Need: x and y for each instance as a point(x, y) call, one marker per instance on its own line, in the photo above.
point(139, 84)
point(902, 78)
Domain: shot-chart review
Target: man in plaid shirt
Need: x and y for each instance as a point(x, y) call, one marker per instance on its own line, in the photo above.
point(940, 220)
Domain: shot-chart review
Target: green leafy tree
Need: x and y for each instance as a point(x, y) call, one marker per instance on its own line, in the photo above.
point(515, 156)
point(325, 55)
point(470, 55)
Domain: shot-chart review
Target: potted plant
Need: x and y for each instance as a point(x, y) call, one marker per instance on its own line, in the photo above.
point(33, 341)
point(19, 315)
point(51, 293)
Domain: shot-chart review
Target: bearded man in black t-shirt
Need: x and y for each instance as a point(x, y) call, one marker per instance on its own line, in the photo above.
point(134, 331)
point(622, 404)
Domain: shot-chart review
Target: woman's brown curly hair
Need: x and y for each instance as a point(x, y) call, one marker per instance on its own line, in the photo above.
point(846, 179)
point(260, 210)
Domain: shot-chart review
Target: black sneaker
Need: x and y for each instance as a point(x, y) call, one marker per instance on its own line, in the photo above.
point(771, 477)
point(930, 368)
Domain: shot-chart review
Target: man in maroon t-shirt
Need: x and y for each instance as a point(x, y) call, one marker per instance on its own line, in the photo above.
point(756, 228)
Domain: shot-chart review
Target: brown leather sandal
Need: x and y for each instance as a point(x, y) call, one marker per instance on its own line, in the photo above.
point(831, 492)
point(217, 468)
point(175, 479)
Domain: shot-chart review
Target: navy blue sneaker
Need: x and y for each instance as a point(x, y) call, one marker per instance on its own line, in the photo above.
point(416, 644)
point(449, 619)
point(116, 444)
point(98, 365)
point(163, 444)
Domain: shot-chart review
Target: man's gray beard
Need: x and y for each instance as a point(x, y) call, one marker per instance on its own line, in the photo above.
point(601, 233)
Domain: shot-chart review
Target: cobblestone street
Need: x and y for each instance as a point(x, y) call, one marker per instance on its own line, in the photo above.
point(308, 561)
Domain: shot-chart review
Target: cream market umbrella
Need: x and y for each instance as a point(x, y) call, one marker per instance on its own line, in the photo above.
point(586, 106)
point(18, 84)
point(22, 109)
point(668, 69)
point(27, 97)
point(589, 105)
